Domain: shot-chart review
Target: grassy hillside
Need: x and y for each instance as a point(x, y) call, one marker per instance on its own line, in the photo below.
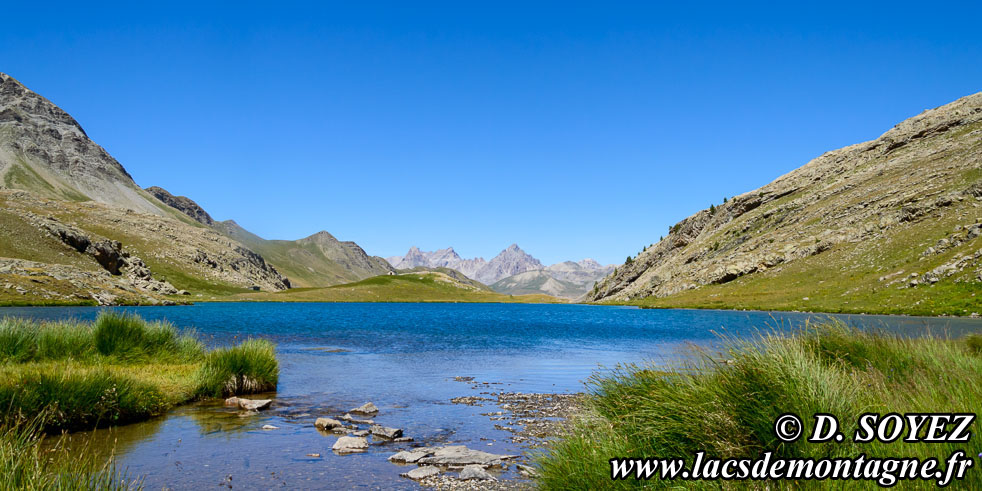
point(413, 287)
point(887, 226)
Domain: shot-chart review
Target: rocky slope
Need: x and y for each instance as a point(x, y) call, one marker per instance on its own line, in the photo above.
point(568, 279)
point(45, 151)
point(314, 261)
point(182, 204)
point(95, 252)
point(74, 227)
point(874, 223)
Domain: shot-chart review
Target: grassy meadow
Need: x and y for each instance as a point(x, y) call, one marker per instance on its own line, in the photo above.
point(728, 408)
point(66, 376)
point(410, 287)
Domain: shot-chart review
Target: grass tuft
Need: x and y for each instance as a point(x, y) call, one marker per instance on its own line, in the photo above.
point(248, 368)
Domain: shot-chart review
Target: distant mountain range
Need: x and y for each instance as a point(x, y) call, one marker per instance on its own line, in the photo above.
point(512, 271)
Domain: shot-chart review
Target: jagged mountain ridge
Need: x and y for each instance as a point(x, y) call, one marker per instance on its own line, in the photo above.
point(513, 271)
point(903, 204)
point(510, 261)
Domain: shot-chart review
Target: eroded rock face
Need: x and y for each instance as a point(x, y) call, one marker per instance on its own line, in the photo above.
point(917, 172)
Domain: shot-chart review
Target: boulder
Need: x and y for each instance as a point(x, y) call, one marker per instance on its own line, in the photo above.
point(475, 471)
point(366, 408)
point(270, 427)
point(422, 473)
point(327, 424)
point(350, 444)
point(385, 432)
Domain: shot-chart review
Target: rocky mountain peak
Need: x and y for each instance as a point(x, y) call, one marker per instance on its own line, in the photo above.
point(45, 151)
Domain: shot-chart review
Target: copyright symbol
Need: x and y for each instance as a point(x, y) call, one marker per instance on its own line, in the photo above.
point(788, 427)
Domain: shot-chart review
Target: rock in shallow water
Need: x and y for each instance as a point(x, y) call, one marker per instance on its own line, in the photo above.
point(385, 432)
point(421, 473)
point(249, 404)
point(327, 423)
point(475, 471)
point(351, 419)
point(350, 444)
point(461, 455)
point(366, 408)
point(408, 456)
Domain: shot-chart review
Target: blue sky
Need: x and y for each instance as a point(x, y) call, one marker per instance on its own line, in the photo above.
point(575, 130)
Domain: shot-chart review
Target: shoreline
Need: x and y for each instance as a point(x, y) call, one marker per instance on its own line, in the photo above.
point(588, 304)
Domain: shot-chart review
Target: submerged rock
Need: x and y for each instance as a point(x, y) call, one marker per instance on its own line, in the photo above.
point(421, 472)
point(351, 419)
point(350, 444)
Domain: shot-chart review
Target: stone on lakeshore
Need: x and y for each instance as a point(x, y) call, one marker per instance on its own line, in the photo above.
point(350, 444)
point(385, 432)
point(270, 427)
point(422, 473)
point(366, 408)
point(475, 471)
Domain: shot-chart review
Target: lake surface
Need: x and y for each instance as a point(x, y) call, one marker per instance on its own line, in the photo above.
point(404, 357)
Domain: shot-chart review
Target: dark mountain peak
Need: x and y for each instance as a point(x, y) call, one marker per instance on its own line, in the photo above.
point(182, 204)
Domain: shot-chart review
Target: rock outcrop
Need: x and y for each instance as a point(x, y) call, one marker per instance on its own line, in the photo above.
point(183, 204)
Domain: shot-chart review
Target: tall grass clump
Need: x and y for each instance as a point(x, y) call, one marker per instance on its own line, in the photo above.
point(728, 410)
point(24, 340)
point(127, 336)
point(77, 398)
point(248, 368)
point(26, 463)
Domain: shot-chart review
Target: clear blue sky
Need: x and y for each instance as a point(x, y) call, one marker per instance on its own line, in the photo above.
point(573, 130)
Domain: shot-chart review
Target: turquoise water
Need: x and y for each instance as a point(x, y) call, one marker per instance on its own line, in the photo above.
point(404, 357)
